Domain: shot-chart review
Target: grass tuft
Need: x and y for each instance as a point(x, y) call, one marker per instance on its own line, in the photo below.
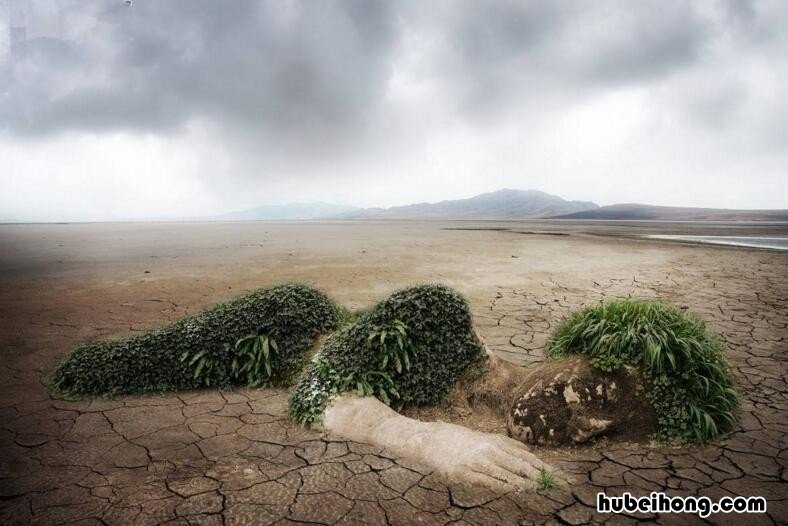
point(688, 378)
point(344, 316)
point(546, 480)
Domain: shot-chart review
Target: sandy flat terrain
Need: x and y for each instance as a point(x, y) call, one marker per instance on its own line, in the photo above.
point(208, 457)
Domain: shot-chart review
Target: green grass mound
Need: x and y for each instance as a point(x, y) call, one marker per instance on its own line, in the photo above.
point(408, 350)
point(256, 339)
point(687, 376)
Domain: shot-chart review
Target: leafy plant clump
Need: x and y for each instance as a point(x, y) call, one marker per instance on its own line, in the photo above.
point(256, 339)
point(687, 375)
point(255, 359)
point(408, 350)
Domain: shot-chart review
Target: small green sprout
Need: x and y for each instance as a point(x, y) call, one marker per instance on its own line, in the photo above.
point(547, 480)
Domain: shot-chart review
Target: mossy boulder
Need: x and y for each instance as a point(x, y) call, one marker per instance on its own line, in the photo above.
point(410, 349)
point(163, 359)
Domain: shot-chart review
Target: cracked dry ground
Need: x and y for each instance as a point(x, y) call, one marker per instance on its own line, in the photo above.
point(213, 457)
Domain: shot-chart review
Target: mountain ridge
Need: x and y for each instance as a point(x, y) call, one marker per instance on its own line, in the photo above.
point(501, 204)
point(504, 204)
point(641, 212)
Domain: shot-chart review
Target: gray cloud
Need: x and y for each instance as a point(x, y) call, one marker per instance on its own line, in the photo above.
point(494, 53)
point(307, 72)
point(303, 72)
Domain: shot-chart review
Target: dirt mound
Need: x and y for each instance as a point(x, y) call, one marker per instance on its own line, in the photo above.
point(569, 402)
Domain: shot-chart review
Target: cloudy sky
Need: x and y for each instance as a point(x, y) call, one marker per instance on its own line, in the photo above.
point(184, 108)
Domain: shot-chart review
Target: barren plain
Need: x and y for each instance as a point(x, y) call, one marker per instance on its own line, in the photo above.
point(231, 457)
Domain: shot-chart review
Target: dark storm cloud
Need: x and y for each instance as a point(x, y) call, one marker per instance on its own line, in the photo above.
point(289, 68)
point(308, 75)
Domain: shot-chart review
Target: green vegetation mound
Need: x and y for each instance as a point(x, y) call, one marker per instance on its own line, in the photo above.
point(409, 350)
point(688, 380)
point(256, 339)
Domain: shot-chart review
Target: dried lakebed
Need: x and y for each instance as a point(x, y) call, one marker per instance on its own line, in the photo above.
point(211, 457)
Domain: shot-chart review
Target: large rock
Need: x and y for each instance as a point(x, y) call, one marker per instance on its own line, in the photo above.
point(570, 402)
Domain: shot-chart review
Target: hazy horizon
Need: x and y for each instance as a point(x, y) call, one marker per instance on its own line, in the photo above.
point(165, 110)
point(227, 215)
point(219, 215)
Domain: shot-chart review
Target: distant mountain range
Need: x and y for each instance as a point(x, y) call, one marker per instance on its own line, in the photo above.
point(505, 204)
point(637, 212)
